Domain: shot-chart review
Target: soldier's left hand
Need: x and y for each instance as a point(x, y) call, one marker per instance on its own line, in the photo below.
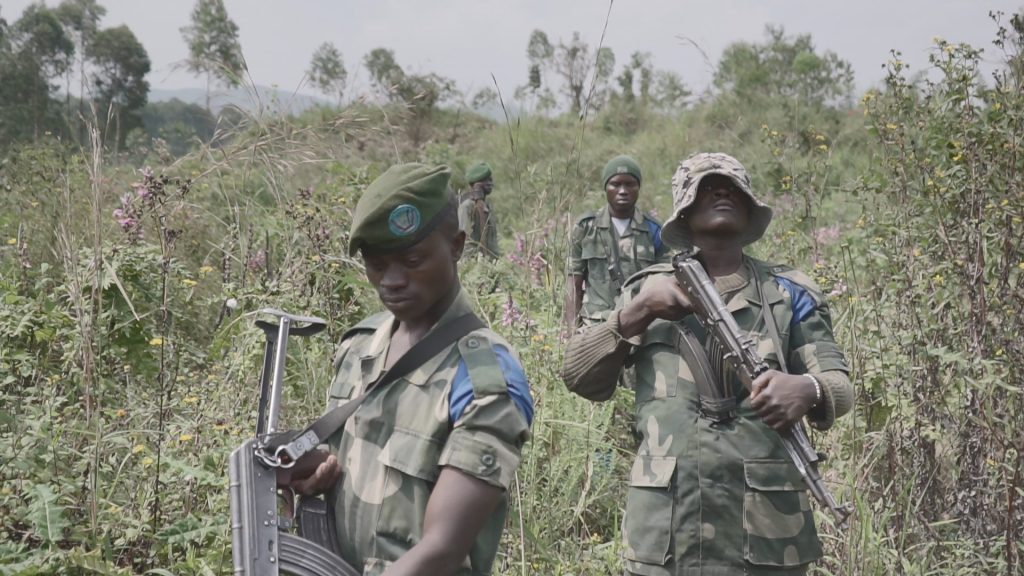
point(781, 399)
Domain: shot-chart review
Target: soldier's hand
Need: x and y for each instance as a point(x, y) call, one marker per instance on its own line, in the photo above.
point(781, 399)
point(664, 298)
point(315, 473)
point(660, 297)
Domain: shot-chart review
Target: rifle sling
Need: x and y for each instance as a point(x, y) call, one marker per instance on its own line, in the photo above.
point(294, 444)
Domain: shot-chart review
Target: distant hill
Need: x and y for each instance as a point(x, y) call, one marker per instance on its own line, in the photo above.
point(249, 98)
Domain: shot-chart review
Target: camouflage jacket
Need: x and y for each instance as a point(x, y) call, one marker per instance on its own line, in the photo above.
point(480, 224)
point(592, 254)
point(717, 499)
point(394, 446)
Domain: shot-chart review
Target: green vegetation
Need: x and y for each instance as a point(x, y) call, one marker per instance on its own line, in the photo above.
point(129, 363)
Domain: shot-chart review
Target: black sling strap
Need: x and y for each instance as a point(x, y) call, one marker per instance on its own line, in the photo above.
point(288, 447)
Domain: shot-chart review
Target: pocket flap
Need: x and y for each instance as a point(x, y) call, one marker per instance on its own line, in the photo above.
point(592, 248)
point(413, 454)
point(770, 475)
point(652, 471)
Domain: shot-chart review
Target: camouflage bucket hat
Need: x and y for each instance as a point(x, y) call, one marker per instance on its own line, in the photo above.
point(684, 191)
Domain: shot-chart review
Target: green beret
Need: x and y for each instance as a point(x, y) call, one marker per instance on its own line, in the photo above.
point(400, 208)
point(477, 172)
point(620, 165)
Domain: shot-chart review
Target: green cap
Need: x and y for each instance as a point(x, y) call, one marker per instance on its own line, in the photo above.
point(400, 208)
point(477, 172)
point(620, 165)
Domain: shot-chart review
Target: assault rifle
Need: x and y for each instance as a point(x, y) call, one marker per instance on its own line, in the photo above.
point(742, 357)
point(262, 542)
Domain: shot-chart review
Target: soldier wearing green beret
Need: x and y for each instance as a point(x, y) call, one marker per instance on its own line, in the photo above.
point(712, 489)
point(476, 216)
point(418, 475)
point(610, 245)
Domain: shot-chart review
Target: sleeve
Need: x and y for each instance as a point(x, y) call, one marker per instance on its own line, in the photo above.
point(464, 217)
point(487, 438)
point(813, 350)
point(593, 359)
point(661, 253)
point(577, 266)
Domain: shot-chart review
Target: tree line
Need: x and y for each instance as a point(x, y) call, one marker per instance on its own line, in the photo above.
point(46, 50)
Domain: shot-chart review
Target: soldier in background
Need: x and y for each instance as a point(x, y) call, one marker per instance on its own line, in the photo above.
point(610, 245)
point(476, 217)
point(419, 473)
point(706, 497)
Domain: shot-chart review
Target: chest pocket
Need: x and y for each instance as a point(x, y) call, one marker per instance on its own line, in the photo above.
point(410, 464)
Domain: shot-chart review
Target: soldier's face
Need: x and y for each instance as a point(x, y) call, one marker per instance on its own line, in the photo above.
point(720, 208)
point(413, 282)
point(485, 185)
point(622, 190)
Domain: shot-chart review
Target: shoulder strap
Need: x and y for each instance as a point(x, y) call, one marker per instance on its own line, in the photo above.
point(290, 446)
point(615, 263)
point(769, 320)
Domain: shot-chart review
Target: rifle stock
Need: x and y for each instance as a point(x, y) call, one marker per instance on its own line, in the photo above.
point(742, 356)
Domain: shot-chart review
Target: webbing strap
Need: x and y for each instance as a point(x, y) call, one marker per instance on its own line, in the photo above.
point(293, 444)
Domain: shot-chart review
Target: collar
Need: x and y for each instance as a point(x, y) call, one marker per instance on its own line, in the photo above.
point(380, 343)
point(603, 219)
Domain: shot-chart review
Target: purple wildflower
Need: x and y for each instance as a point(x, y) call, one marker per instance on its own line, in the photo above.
point(826, 235)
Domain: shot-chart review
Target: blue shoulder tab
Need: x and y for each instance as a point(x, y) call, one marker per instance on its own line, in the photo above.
point(515, 378)
point(802, 302)
point(655, 229)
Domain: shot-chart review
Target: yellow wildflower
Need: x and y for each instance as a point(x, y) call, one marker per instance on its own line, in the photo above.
point(957, 157)
point(891, 126)
point(823, 148)
point(819, 137)
point(6, 491)
point(138, 448)
point(1004, 202)
point(997, 106)
point(185, 438)
point(537, 337)
point(121, 413)
point(917, 252)
point(220, 427)
point(156, 341)
point(999, 352)
point(206, 270)
point(12, 241)
point(34, 204)
point(315, 257)
point(939, 279)
point(114, 509)
point(191, 400)
point(147, 461)
point(1021, 265)
point(188, 282)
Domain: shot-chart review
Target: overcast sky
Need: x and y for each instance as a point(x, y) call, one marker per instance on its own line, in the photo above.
point(469, 40)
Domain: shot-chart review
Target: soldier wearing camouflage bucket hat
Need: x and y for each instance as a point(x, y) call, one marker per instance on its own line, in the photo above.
point(476, 215)
point(716, 493)
point(418, 474)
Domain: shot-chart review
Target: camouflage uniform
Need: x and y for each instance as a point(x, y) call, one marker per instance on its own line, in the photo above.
point(722, 499)
point(394, 446)
point(480, 225)
point(703, 498)
point(591, 253)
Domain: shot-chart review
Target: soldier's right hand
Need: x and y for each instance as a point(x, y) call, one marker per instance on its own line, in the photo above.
point(660, 297)
point(663, 297)
point(315, 473)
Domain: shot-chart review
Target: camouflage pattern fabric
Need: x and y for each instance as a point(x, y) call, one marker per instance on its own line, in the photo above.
point(590, 254)
point(394, 446)
point(480, 224)
point(720, 499)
